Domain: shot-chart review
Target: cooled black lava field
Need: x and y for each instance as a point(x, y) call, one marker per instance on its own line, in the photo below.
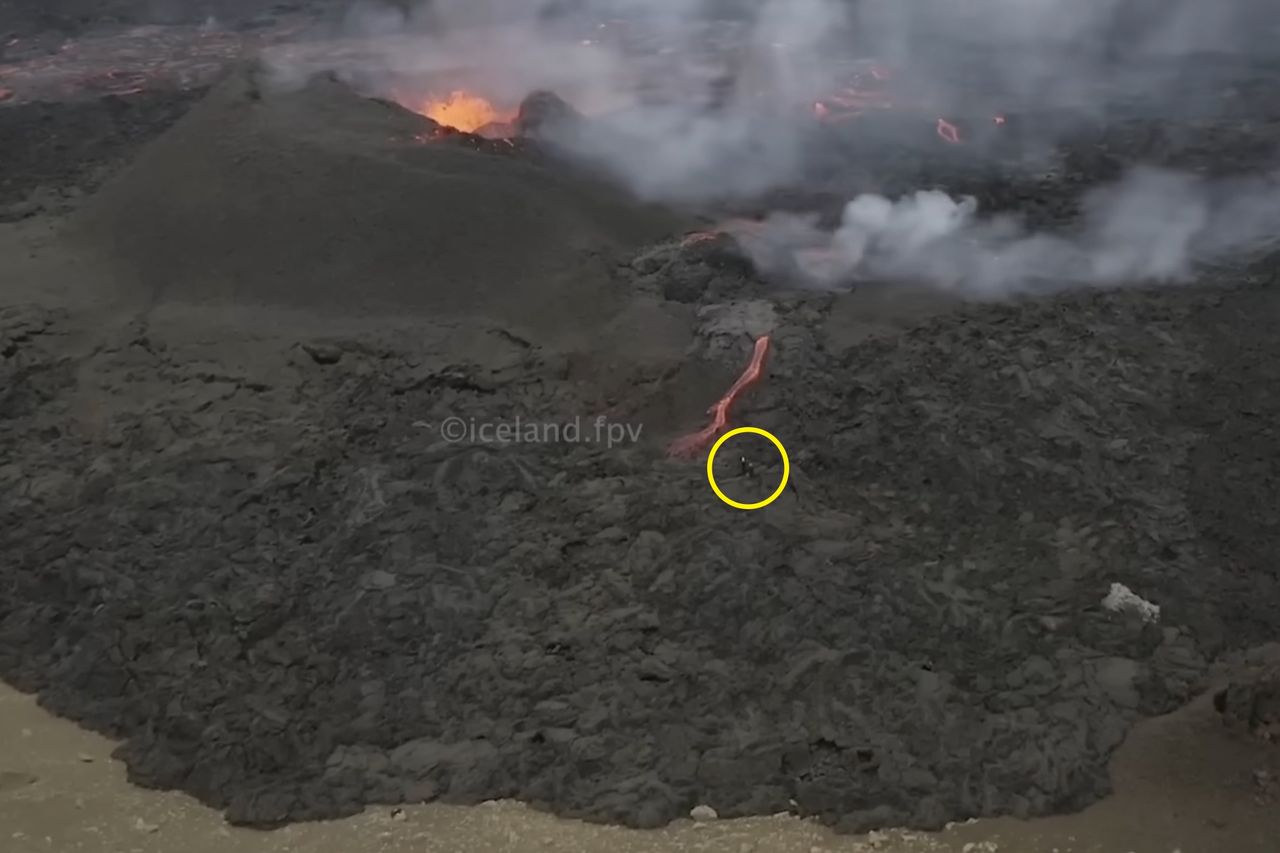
point(233, 537)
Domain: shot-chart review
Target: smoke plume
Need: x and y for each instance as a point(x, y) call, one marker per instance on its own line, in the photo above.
point(1153, 226)
point(697, 100)
point(702, 98)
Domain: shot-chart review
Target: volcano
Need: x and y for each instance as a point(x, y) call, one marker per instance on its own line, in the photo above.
point(356, 432)
point(321, 197)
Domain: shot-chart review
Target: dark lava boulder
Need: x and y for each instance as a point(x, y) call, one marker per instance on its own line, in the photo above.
point(544, 111)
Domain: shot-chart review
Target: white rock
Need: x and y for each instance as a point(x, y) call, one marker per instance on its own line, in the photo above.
point(1121, 599)
point(703, 813)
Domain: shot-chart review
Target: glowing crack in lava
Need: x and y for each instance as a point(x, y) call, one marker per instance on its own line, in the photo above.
point(690, 445)
point(468, 113)
point(867, 89)
point(864, 91)
point(948, 131)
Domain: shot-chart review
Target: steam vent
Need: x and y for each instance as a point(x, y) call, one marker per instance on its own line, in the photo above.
point(729, 427)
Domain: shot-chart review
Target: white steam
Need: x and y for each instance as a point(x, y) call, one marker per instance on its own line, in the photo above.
point(698, 100)
point(682, 106)
point(706, 99)
point(1153, 226)
point(1085, 54)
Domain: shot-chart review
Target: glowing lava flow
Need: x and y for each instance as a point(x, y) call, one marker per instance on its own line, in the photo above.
point(466, 112)
point(853, 100)
point(699, 237)
point(729, 227)
point(865, 90)
point(690, 445)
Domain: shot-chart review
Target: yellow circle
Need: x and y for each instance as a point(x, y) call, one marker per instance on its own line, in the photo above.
point(786, 467)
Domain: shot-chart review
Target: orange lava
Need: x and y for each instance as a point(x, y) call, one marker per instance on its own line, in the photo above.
point(729, 227)
point(690, 445)
point(699, 237)
point(863, 93)
point(466, 112)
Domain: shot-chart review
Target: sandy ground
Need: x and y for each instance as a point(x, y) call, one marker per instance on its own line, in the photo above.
point(1182, 784)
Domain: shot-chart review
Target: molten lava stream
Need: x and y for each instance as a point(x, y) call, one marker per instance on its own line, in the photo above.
point(689, 445)
point(948, 131)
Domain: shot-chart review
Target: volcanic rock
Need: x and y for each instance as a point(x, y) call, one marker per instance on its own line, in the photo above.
point(543, 112)
point(914, 636)
point(702, 814)
point(1251, 700)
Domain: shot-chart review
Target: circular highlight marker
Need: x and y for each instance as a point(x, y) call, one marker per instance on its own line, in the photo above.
point(786, 467)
